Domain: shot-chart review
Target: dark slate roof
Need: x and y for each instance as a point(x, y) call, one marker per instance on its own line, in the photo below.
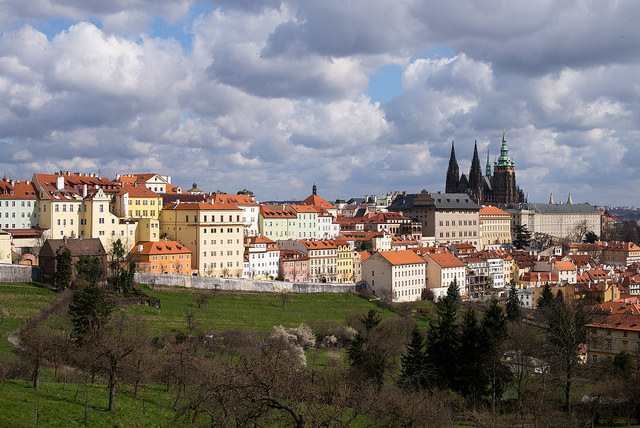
point(402, 202)
point(356, 201)
point(561, 208)
point(169, 198)
point(455, 201)
point(78, 247)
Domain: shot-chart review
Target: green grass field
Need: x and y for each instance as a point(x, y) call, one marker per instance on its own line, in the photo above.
point(57, 407)
point(17, 303)
point(251, 312)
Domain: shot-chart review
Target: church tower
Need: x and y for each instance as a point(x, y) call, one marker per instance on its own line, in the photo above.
point(453, 173)
point(504, 177)
point(475, 176)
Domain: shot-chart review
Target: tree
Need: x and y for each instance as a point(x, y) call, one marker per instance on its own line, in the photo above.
point(367, 354)
point(415, 370)
point(522, 236)
point(565, 330)
point(546, 299)
point(119, 274)
point(471, 380)
point(89, 311)
point(513, 305)
point(90, 269)
point(590, 237)
point(494, 333)
point(453, 291)
point(64, 269)
point(443, 343)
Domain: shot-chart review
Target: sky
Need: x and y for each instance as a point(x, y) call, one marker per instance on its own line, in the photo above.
point(360, 96)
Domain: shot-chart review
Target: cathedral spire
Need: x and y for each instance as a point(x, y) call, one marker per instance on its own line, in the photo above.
point(504, 159)
point(475, 174)
point(551, 199)
point(488, 168)
point(453, 172)
point(569, 200)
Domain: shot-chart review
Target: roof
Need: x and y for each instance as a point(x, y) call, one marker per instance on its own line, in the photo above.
point(402, 257)
point(317, 201)
point(234, 199)
point(268, 213)
point(446, 260)
point(161, 247)
point(137, 192)
point(562, 208)
point(319, 244)
point(491, 210)
point(77, 246)
point(539, 277)
point(564, 265)
point(199, 206)
point(16, 189)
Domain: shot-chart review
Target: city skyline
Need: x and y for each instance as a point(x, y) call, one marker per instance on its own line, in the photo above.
point(365, 98)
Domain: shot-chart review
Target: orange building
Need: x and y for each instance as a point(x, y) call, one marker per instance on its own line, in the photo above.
point(168, 257)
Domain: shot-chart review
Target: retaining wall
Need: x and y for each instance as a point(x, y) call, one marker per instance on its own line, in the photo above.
point(19, 273)
point(240, 284)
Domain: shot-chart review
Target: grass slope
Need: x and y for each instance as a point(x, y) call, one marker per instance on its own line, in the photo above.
point(252, 312)
point(17, 303)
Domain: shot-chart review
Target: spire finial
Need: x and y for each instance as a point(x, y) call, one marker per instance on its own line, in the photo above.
point(551, 199)
point(315, 188)
point(569, 200)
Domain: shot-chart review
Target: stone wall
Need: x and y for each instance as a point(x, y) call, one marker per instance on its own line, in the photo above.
point(240, 284)
point(19, 273)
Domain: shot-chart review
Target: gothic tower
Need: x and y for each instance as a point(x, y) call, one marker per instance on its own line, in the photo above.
point(504, 177)
point(475, 176)
point(453, 173)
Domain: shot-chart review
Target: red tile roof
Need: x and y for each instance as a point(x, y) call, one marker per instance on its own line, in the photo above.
point(160, 247)
point(446, 260)
point(402, 257)
point(234, 199)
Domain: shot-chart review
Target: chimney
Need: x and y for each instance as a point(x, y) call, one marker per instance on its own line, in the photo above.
point(60, 182)
point(64, 239)
point(140, 247)
point(84, 191)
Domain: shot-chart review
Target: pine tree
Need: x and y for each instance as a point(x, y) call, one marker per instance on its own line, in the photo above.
point(546, 299)
point(522, 236)
point(415, 370)
point(513, 305)
point(472, 380)
point(453, 291)
point(64, 268)
point(89, 312)
point(443, 343)
point(494, 333)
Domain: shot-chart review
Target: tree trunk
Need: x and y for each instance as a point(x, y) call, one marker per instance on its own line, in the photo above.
point(36, 375)
point(112, 391)
point(567, 389)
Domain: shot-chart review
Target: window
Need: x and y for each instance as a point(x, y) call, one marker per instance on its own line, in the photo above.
point(56, 208)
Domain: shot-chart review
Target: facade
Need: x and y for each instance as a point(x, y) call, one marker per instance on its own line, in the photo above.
point(306, 221)
point(498, 188)
point(495, 226)
point(477, 277)
point(620, 253)
point(442, 268)
point(5, 248)
point(558, 220)
point(136, 202)
point(250, 209)
point(96, 221)
point(344, 263)
point(18, 204)
point(618, 331)
point(398, 276)
point(277, 224)
point(322, 254)
point(449, 218)
point(294, 266)
point(168, 257)
point(262, 256)
point(213, 232)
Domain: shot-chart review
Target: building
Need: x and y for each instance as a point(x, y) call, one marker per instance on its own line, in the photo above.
point(5, 248)
point(442, 269)
point(495, 226)
point(168, 257)
point(620, 253)
point(344, 264)
point(558, 220)
point(617, 331)
point(136, 202)
point(449, 218)
point(154, 182)
point(91, 247)
point(497, 188)
point(277, 224)
point(18, 204)
point(316, 201)
point(398, 276)
point(250, 209)
point(322, 254)
point(213, 232)
point(294, 266)
point(262, 256)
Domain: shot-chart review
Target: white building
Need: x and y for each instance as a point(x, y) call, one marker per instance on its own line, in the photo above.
point(442, 269)
point(261, 258)
point(395, 275)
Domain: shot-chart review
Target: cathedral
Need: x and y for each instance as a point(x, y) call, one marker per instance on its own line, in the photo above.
point(499, 188)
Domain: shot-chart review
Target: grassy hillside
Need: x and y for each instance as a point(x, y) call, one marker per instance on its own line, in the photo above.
point(17, 303)
point(253, 312)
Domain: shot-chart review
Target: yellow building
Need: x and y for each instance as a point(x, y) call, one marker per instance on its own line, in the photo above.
point(213, 232)
point(495, 226)
point(96, 221)
point(618, 331)
point(344, 263)
point(137, 202)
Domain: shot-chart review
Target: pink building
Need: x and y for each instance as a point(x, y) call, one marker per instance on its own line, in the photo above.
point(294, 266)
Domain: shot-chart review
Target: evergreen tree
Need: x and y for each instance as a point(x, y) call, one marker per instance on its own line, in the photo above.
point(443, 343)
point(522, 236)
point(546, 299)
point(64, 268)
point(117, 267)
point(90, 269)
point(415, 370)
point(453, 291)
point(365, 353)
point(472, 379)
point(513, 305)
point(89, 312)
point(494, 333)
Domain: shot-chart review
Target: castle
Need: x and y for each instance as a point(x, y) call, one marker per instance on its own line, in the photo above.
point(499, 188)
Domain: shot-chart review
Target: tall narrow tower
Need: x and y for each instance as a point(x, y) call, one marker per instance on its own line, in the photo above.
point(475, 176)
point(453, 173)
point(504, 177)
